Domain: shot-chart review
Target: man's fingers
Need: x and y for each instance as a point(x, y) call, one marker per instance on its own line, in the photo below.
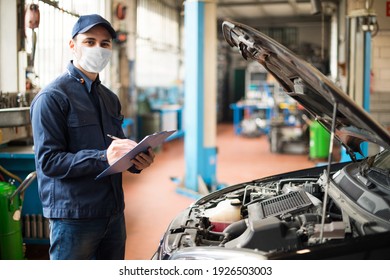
point(143, 160)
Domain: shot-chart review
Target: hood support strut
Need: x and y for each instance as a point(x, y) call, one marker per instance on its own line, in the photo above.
point(332, 133)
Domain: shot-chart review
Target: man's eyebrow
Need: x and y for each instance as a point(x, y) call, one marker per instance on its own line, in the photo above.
point(94, 39)
point(89, 38)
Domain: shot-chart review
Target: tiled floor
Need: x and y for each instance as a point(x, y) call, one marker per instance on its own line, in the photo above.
point(152, 199)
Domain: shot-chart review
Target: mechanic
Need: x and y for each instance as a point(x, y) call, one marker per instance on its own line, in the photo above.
point(71, 118)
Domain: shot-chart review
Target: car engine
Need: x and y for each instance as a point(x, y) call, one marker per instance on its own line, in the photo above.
point(286, 214)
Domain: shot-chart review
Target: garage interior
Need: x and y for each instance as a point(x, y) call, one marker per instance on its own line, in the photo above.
point(246, 129)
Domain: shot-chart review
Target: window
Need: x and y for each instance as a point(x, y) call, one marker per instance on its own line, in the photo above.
point(52, 52)
point(158, 46)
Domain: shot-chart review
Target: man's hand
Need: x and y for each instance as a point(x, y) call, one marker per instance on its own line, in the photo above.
point(120, 147)
point(143, 160)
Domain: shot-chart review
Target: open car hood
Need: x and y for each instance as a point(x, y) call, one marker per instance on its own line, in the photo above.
point(309, 87)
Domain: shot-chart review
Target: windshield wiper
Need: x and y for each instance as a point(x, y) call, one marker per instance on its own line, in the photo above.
point(366, 165)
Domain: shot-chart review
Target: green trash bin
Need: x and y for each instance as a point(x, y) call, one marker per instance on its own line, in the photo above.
point(319, 141)
point(11, 241)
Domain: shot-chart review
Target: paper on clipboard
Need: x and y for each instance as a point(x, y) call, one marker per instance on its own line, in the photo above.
point(122, 164)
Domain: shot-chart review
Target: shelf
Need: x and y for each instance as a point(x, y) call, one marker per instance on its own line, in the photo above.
point(42, 241)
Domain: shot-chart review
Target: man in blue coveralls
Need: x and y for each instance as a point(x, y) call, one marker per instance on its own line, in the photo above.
point(71, 118)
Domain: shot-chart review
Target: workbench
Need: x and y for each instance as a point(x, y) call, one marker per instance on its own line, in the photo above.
point(248, 108)
point(171, 118)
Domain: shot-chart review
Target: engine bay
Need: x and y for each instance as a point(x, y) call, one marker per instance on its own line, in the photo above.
point(286, 214)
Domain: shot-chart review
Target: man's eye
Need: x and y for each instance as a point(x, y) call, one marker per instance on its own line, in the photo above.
point(105, 45)
point(90, 43)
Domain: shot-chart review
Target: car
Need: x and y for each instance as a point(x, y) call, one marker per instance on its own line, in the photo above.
point(340, 210)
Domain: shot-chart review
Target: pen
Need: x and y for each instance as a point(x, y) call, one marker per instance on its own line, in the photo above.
point(113, 137)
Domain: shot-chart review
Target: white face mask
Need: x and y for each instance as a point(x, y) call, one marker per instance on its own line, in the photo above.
point(94, 59)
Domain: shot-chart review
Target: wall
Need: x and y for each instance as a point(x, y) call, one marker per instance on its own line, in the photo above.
point(8, 46)
point(312, 33)
point(380, 96)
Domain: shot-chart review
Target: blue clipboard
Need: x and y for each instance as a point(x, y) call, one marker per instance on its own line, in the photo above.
point(122, 164)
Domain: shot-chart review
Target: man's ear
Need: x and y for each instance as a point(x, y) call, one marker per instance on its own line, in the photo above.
point(71, 44)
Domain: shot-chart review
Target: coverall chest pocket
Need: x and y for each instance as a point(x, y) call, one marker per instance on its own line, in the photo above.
point(84, 132)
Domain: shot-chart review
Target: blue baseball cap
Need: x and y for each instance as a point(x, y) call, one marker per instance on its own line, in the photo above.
point(86, 22)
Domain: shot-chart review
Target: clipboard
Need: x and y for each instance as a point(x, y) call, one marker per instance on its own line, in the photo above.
point(123, 163)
